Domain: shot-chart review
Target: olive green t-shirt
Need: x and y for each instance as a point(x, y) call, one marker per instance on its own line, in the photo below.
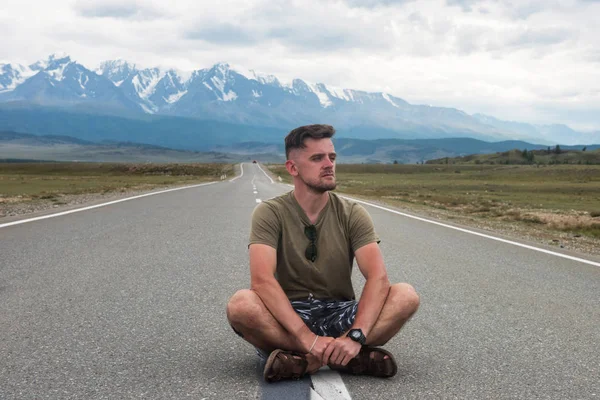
point(342, 227)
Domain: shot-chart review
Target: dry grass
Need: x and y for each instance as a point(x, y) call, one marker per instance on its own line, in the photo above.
point(54, 182)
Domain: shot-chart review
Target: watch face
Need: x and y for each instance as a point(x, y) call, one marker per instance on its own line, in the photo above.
point(356, 335)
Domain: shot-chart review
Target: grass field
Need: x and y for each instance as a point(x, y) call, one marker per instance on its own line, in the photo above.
point(564, 198)
point(561, 197)
point(26, 182)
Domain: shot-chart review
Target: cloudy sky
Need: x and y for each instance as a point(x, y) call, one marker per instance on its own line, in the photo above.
point(534, 61)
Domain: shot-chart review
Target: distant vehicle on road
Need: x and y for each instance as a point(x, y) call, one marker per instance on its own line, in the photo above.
point(254, 161)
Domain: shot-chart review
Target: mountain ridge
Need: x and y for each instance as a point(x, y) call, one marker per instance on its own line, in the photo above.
point(232, 94)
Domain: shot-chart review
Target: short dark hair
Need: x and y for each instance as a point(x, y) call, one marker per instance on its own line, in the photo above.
point(295, 139)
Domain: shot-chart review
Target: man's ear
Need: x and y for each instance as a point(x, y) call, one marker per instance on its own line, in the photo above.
point(290, 165)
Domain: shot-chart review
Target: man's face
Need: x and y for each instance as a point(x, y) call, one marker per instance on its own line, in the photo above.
point(315, 164)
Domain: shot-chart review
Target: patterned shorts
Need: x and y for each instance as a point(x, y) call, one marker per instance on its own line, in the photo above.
point(326, 317)
point(323, 317)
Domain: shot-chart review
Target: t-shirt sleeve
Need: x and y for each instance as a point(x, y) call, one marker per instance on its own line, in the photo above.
point(362, 229)
point(265, 226)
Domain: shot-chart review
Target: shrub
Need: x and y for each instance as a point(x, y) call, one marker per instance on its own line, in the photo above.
point(592, 230)
point(533, 219)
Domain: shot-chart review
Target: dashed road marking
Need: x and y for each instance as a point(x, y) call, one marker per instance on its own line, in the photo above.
point(315, 396)
point(328, 384)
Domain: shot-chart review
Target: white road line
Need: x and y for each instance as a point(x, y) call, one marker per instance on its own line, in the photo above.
point(22, 221)
point(583, 260)
point(328, 384)
point(242, 174)
point(479, 234)
point(265, 173)
point(314, 395)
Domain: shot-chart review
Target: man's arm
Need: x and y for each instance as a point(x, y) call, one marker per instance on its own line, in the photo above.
point(374, 294)
point(376, 289)
point(263, 263)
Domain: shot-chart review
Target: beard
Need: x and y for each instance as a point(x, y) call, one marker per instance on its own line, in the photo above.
point(319, 185)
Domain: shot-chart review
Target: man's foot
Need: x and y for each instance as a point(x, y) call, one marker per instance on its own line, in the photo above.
point(283, 364)
point(314, 364)
point(372, 361)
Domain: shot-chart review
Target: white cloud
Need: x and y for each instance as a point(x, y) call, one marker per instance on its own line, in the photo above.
point(531, 60)
point(120, 9)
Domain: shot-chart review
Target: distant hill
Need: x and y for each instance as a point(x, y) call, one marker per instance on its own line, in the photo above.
point(351, 151)
point(403, 151)
point(36, 140)
point(553, 155)
point(21, 147)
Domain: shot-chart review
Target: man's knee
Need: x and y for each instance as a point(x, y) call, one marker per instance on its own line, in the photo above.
point(242, 306)
point(405, 299)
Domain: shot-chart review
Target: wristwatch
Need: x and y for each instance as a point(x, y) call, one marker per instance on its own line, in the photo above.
point(357, 335)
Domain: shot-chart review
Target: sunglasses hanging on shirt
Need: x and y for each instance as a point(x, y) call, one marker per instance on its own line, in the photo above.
point(311, 251)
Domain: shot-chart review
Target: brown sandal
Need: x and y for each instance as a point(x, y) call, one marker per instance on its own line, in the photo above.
point(283, 364)
point(370, 361)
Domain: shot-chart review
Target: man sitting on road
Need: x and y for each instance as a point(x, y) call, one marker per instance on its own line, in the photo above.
point(301, 309)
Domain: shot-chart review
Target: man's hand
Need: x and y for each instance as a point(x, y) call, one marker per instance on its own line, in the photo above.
point(340, 351)
point(320, 346)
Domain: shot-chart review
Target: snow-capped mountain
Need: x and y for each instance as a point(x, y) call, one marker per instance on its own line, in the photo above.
point(12, 75)
point(153, 89)
point(62, 82)
point(233, 94)
point(137, 85)
point(117, 71)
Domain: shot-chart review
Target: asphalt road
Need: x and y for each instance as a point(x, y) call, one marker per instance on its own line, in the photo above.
point(128, 301)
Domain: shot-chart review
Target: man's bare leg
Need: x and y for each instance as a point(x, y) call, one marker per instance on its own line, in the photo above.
point(250, 318)
point(402, 302)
